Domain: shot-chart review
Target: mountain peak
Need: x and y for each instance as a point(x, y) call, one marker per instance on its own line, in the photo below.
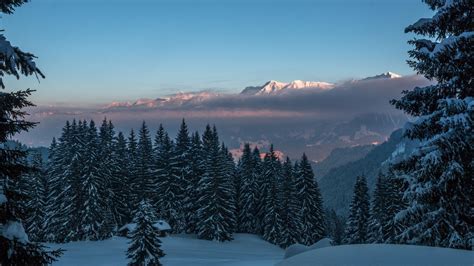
point(274, 87)
point(386, 75)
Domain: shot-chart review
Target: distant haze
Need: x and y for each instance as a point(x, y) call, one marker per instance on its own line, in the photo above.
point(298, 116)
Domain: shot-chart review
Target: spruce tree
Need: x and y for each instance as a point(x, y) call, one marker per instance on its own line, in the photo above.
point(229, 173)
point(167, 180)
point(58, 210)
point(106, 170)
point(311, 205)
point(290, 212)
point(120, 182)
point(167, 184)
point(37, 191)
point(196, 167)
point(394, 187)
point(440, 174)
point(132, 157)
point(334, 226)
point(145, 246)
point(257, 171)
point(248, 193)
point(74, 194)
point(216, 209)
point(359, 214)
point(144, 176)
point(15, 249)
point(93, 209)
point(181, 159)
point(272, 222)
point(237, 187)
point(378, 211)
point(50, 202)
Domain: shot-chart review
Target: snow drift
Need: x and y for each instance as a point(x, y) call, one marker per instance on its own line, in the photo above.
point(380, 254)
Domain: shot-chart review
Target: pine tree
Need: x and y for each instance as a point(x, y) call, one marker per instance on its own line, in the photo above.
point(359, 214)
point(58, 210)
point(196, 167)
point(440, 174)
point(143, 184)
point(132, 152)
point(145, 246)
point(50, 202)
point(311, 205)
point(237, 187)
point(229, 172)
point(15, 249)
point(290, 207)
point(395, 203)
point(168, 183)
point(258, 176)
point(37, 196)
point(248, 193)
point(121, 182)
point(106, 171)
point(378, 211)
point(73, 176)
point(334, 226)
point(216, 209)
point(271, 202)
point(181, 159)
point(93, 207)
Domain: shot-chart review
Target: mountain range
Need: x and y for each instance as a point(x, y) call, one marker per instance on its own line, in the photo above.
point(271, 87)
point(277, 87)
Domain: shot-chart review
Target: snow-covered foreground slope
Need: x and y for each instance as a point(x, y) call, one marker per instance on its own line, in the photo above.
point(375, 254)
point(180, 250)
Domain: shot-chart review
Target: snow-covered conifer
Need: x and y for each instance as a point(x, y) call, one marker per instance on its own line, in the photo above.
point(143, 178)
point(378, 212)
point(271, 202)
point(196, 167)
point(216, 209)
point(181, 159)
point(440, 180)
point(248, 193)
point(121, 182)
point(145, 246)
point(167, 186)
point(37, 195)
point(15, 249)
point(132, 156)
point(359, 214)
point(311, 205)
point(290, 212)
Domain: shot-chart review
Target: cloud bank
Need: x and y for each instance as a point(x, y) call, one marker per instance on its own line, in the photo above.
point(347, 98)
point(343, 102)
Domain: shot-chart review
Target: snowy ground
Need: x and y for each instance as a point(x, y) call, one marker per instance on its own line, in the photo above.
point(253, 251)
point(374, 254)
point(180, 250)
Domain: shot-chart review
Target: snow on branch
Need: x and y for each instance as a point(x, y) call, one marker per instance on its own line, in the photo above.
point(14, 230)
point(14, 61)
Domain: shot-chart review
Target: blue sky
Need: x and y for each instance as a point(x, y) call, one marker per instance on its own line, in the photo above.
point(104, 50)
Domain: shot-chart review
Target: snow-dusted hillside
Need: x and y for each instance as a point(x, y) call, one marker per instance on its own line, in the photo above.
point(378, 254)
point(180, 250)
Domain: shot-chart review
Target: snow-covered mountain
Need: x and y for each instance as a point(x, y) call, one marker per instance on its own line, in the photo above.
point(277, 87)
point(386, 75)
point(174, 100)
point(271, 87)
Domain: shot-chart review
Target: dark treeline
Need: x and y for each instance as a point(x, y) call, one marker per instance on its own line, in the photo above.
point(375, 221)
point(95, 179)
